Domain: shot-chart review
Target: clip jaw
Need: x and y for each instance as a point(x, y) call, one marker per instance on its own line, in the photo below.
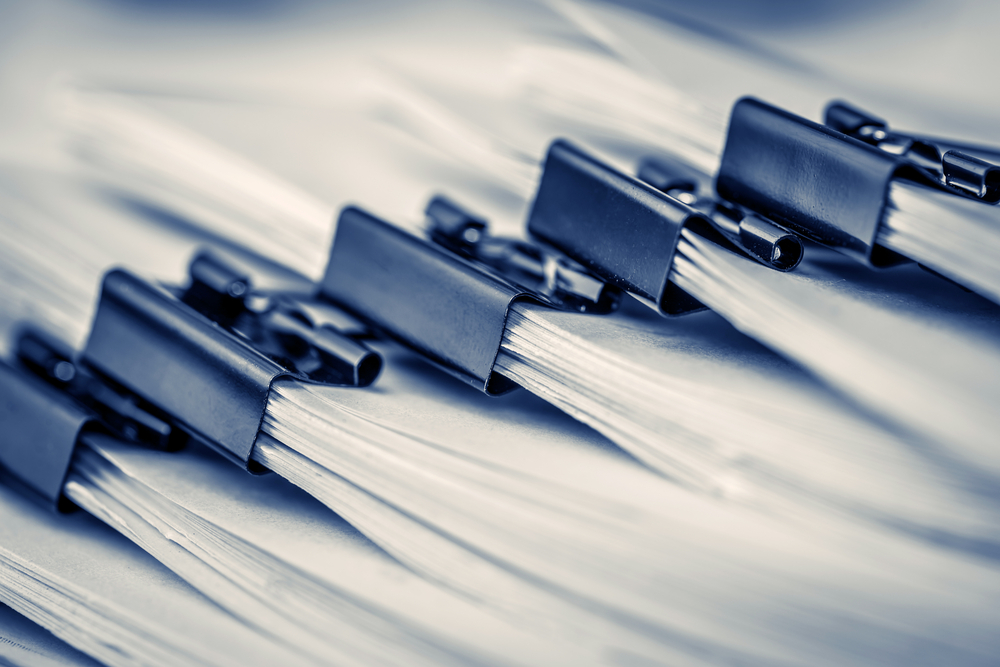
point(430, 299)
point(621, 228)
point(448, 297)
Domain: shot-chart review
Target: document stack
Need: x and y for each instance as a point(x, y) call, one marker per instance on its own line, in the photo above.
point(328, 337)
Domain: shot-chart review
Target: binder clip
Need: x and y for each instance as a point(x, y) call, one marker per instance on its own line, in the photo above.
point(830, 182)
point(50, 404)
point(162, 366)
point(626, 231)
point(447, 296)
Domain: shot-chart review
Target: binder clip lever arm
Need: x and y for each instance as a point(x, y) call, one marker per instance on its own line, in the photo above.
point(757, 236)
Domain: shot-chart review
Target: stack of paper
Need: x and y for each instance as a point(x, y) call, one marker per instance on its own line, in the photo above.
point(540, 522)
point(23, 642)
point(101, 594)
point(917, 358)
point(831, 506)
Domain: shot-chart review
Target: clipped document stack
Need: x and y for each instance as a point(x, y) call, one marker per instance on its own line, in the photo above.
point(544, 526)
point(222, 553)
point(825, 498)
point(837, 328)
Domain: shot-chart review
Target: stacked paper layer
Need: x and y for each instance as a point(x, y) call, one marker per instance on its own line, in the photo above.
point(101, 594)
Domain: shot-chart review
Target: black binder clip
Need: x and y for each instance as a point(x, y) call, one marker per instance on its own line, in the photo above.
point(447, 297)
point(161, 366)
point(830, 182)
point(50, 404)
point(968, 168)
point(626, 231)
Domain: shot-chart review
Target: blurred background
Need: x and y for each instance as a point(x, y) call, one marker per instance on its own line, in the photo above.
point(925, 63)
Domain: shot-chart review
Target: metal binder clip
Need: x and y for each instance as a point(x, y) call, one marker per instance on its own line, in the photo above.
point(968, 168)
point(207, 356)
point(760, 238)
point(448, 298)
point(50, 404)
point(830, 182)
point(627, 232)
point(162, 366)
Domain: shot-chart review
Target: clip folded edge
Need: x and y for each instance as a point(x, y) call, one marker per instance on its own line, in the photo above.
point(818, 182)
point(447, 308)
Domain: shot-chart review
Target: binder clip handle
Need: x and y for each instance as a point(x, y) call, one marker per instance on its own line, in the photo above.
point(978, 177)
point(559, 281)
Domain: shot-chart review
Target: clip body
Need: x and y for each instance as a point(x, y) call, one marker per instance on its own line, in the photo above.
point(214, 385)
point(620, 228)
point(440, 304)
point(830, 186)
point(39, 430)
